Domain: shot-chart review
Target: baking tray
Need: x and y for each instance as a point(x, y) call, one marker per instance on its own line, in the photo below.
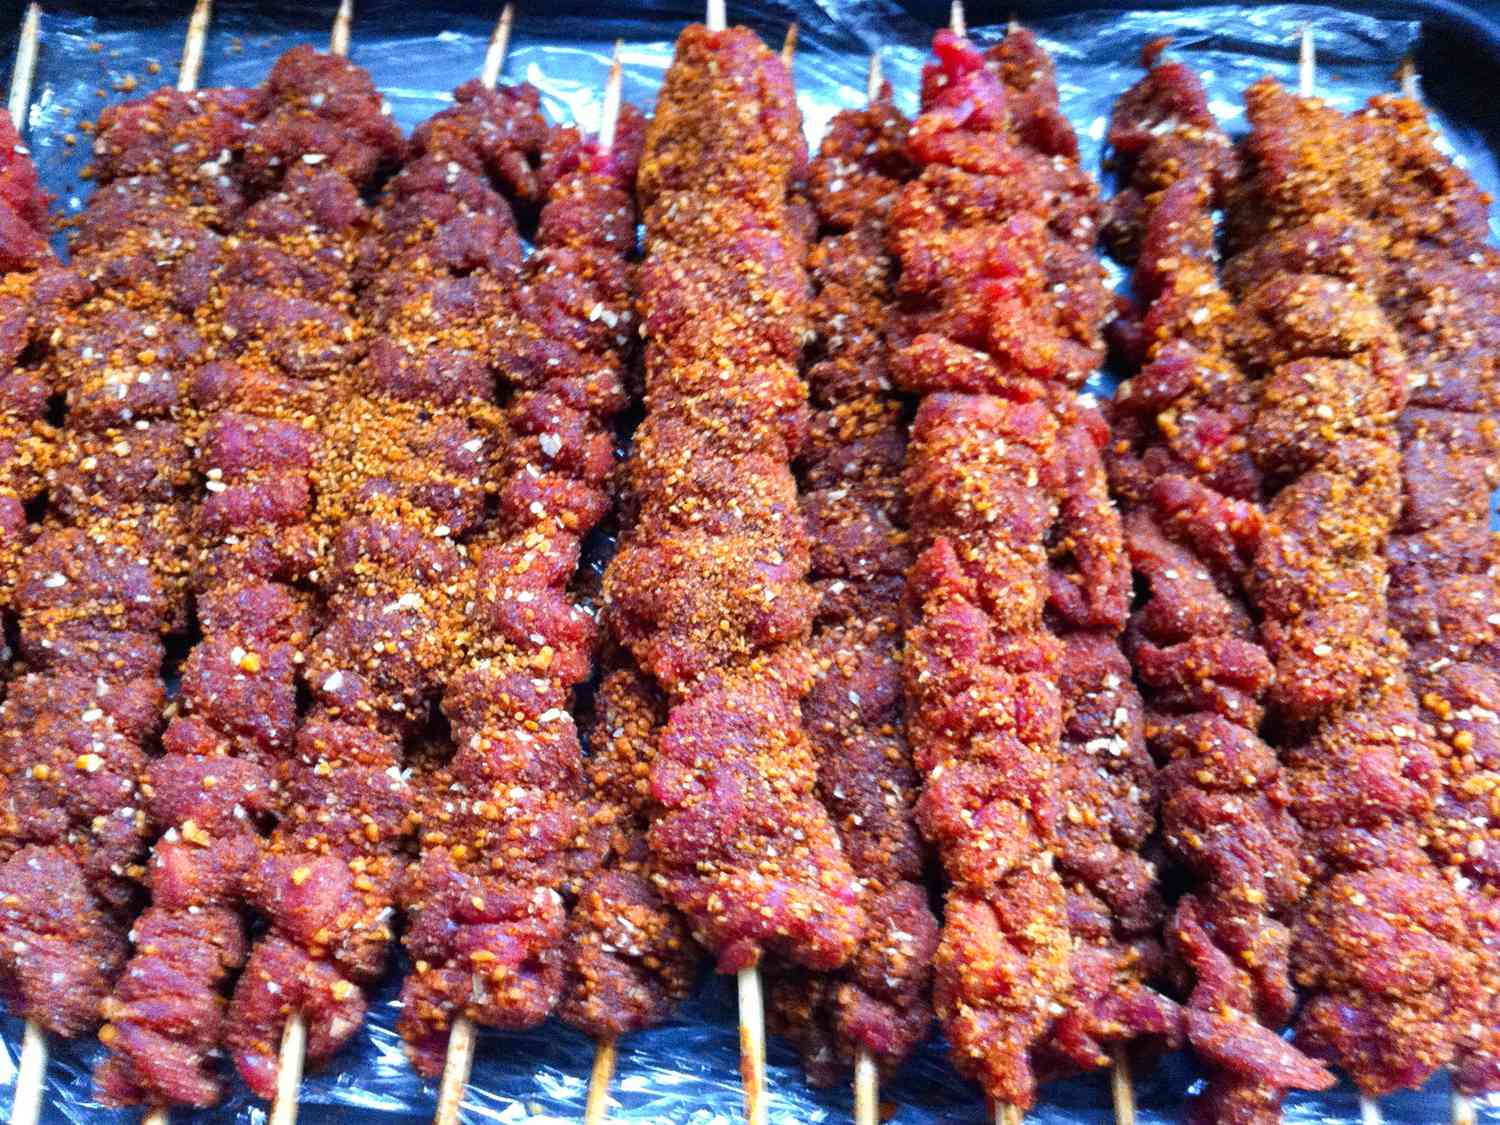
point(685, 1072)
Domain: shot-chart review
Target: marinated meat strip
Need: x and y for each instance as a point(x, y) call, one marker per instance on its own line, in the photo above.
point(276, 312)
point(503, 820)
point(1383, 953)
point(103, 581)
point(999, 317)
point(402, 500)
point(1435, 274)
point(708, 591)
point(1181, 465)
point(855, 509)
point(628, 957)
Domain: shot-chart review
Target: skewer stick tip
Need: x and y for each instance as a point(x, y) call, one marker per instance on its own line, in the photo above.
point(789, 45)
point(874, 78)
point(866, 1089)
point(289, 1071)
point(338, 41)
point(956, 18)
point(1409, 85)
point(494, 54)
point(752, 1047)
point(597, 1109)
point(1122, 1091)
point(192, 46)
point(26, 1108)
point(156, 1117)
point(456, 1067)
point(1307, 63)
point(714, 17)
point(1462, 1108)
point(1369, 1110)
point(609, 116)
point(25, 68)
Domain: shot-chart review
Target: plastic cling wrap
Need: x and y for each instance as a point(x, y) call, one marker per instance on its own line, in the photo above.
point(684, 1072)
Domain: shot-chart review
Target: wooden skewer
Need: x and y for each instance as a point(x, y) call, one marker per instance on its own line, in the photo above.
point(1409, 86)
point(866, 1089)
point(1121, 1090)
point(866, 1073)
point(192, 47)
point(293, 1054)
point(289, 1071)
point(1461, 1108)
point(752, 1047)
point(956, 19)
point(27, 1106)
point(596, 1111)
point(457, 1065)
point(789, 45)
point(1307, 64)
point(714, 18)
point(494, 55)
point(458, 1062)
point(25, 67)
point(343, 21)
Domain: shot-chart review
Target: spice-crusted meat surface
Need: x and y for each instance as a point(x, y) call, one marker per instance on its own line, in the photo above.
point(999, 317)
point(1387, 963)
point(1180, 463)
point(25, 437)
point(855, 511)
point(504, 819)
point(103, 581)
point(1428, 259)
point(708, 591)
point(274, 312)
point(402, 495)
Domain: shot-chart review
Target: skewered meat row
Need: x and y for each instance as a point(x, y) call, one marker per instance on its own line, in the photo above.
point(1435, 275)
point(1181, 465)
point(855, 509)
point(1115, 908)
point(1382, 953)
point(997, 323)
point(405, 496)
point(503, 821)
point(708, 591)
point(629, 958)
point(103, 582)
point(1442, 293)
point(277, 313)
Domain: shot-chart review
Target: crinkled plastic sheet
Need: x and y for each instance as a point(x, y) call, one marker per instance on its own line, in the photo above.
point(684, 1072)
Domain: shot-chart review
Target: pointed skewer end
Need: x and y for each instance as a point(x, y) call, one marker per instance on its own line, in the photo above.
point(596, 1112)
point(192, 46)
point(752, 1046)
point(956, 19)
point(456, 1068)
point(1307, 63)
point(338, 41)
point(866, 1089)
point(25, 67)
point(494, 54)
point(714, 16)
point(1369, 1111)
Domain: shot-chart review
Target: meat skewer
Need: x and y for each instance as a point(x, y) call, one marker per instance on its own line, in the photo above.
point(504, 817)
point(629, 957)
point(104, 582)
point(1181, 468)
point(1364, 765)
point(877, 1009)
point(275, 308)
point(707, 590)
point(31, 1072)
